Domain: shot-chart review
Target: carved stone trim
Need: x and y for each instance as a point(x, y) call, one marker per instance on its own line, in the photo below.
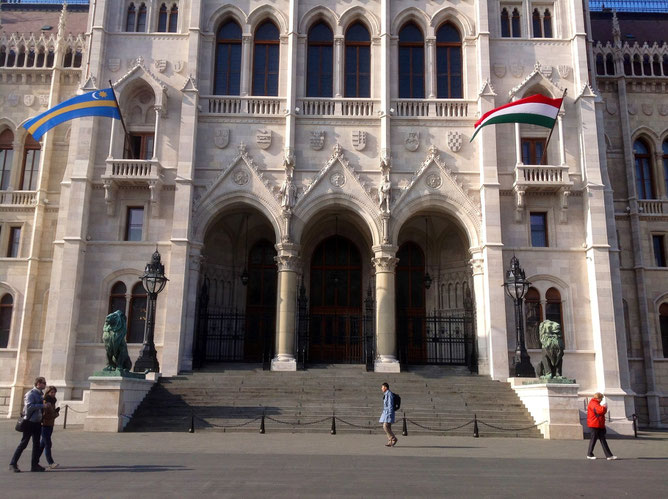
point(288, 263)
point(385, 263)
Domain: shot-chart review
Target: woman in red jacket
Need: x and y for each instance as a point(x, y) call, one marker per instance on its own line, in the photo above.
point(596, 422)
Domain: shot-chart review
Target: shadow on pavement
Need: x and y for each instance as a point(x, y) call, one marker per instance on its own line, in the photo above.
point(399, 446)
point(139, 468)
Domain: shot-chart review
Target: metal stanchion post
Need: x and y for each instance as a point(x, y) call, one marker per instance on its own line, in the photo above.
point(333, 430)
point(404, 430)
point(192, 424)
point(65, 417)
point(635, 426)
point(475, 426)
point(262, 425)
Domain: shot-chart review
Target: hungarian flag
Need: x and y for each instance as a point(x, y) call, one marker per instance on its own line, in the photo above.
point(535, 110)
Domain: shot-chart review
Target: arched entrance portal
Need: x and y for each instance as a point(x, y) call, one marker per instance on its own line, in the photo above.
point(236, 320)
point(335, 318)
point(434, 305)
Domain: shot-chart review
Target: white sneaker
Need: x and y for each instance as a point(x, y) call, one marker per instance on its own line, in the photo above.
point(612, 458)
point(591, 457)
point(52, 466)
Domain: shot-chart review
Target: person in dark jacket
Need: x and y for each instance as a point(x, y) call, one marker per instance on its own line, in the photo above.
point(596, 422)
point(48, 419)
point(32, 427)
point(387, 417)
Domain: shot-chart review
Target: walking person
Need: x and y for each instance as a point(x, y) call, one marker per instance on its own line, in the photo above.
point(596, 421)
point(32, 426)
point(387, 417)
point(48, 419)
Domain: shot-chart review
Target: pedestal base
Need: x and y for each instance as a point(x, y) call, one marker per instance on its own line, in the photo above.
point(554, 405)
point(386, 364)
point(283, 363)
point(113, 400)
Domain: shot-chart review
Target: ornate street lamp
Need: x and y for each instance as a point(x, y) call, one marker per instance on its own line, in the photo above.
point(154, 281)
point(516, 286)
point(427, 277)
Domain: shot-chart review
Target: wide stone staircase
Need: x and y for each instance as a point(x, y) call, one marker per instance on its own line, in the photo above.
point(434, 400)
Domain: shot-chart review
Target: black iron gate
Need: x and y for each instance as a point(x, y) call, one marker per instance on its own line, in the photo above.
point(445, 339)
point(232, 336)
point(348, 338)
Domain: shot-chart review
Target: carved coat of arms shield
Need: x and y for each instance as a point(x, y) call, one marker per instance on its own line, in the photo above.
point(359, 140)
point(221, 137)
point(263, 138)
point(412, 141)
point(28, 100)
point(317, 140)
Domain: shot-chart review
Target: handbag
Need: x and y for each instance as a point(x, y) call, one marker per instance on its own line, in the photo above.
point(21, 424)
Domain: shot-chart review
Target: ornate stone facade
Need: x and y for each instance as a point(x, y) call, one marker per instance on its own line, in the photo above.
point(214, 164)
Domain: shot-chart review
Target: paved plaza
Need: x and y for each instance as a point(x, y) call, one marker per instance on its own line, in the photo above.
point(219, 464)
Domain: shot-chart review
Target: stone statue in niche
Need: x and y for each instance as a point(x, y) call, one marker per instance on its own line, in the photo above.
point(288, 192)
point(385, 193)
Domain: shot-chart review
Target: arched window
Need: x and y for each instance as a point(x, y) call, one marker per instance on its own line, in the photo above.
point(319, 61)
point(609, 65)
point(547, 24)
point(77, 59)
point(141, 19)
point(6, 306)
point(162, 19)
point(228, 59)
point(50, 57)
point(22, 57)
point(637, 66)
point(3, 56)
point(663, 317)
point(448, 62)
point(505, 23)
point(656, 65)
point(173, 18)
point(6, 158)
point(516, 29)
point(600, 65)
point(553, 307)
point(40, 58)
point(646, 66)
point(265, 60)
point(411, 62)
point(131, 18)
point(627, 65)
point(358, 62)
point(11, 58)
point(67, 59)
point(644, 177)
point(665, 164)
point(31, 153)
point(137, 318)
point(665, 65)
point(30, 62)
point(533, 312)
point(117, 299)
point(536, 24)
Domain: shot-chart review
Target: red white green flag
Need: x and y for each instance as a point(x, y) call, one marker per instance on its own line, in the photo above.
point(535, 110)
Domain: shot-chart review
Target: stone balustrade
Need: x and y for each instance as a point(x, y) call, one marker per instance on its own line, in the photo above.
point(542, 177)
point(434, 108)
point(132, 171)
point(652, 206)
point(356, 108)
point(254, 106)
point(18, 198)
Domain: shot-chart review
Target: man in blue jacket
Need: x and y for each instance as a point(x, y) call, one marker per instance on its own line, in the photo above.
point(33, 403)
point(387, 417)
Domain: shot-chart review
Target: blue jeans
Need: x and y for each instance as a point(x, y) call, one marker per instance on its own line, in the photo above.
point(45, 444)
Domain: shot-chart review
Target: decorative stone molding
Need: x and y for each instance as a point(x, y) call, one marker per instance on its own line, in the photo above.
point(477, 265)
point(288, 263)
point(385, 263)
point(540, 74)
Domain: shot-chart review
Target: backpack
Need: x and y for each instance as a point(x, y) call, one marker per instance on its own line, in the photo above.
point(397, 401)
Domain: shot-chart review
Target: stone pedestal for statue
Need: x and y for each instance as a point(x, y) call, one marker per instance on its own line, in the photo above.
point(113, 400)
point(556, 405)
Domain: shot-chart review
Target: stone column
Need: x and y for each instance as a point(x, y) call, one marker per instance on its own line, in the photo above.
point(430, 79)
point(478, 270)
point(386, 337)
point(111, 140)
point(562, 146)
point(156, 131)
point(246, 41)
point(518, 145)
point(338, 67)
point(289, 265)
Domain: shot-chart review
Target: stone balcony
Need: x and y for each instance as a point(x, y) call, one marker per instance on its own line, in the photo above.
point(132, 172)
point(541, 178)
point(433, 108)
point(653, 207)
point(354, 108)
point(18, 199)
point(223, 105)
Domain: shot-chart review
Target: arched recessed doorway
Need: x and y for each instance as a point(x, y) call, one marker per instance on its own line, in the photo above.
point(335, 317)
point(410, 294)
point(236, 319)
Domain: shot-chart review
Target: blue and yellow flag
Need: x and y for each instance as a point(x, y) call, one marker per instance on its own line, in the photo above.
point(97, 103)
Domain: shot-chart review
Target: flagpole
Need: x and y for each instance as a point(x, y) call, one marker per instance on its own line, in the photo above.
point(547, 142)
point(125, 130)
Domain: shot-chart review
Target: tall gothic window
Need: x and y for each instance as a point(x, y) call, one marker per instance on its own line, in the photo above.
point(228, 60)
point(168, 19)
point(515, 24)
point(411, 62)
point(131, 18)
point(135, 18)
point(137, 318)
point(265, 60)
point(320, 61)
point(6, 158)
point(448, 62)
point(3, 56)
point(117, 298)
point(6, 307)
point(31, 153)
point(542, 23)
point(358, 62)
point(644, 180)
point(141, 19)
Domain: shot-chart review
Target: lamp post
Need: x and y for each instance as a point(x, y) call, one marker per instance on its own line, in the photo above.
point(516, 286)
point(154, 281)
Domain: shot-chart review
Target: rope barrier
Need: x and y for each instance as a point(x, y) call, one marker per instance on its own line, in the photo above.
point(78, 412)
point(438, 429)
point(298, 423)
point(512, 429)
point(228, 426)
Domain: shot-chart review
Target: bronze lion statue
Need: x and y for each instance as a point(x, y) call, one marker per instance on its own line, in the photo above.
point(113, 336)
point(552, 341)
